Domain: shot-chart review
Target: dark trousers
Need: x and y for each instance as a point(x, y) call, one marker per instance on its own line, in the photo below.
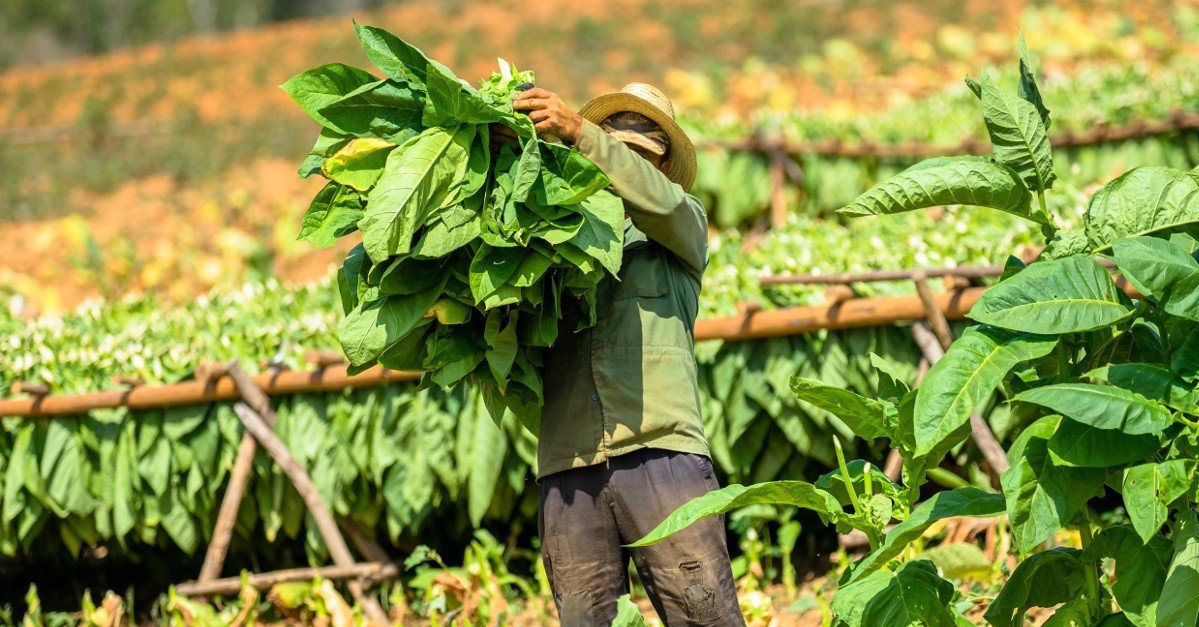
point(587, 514)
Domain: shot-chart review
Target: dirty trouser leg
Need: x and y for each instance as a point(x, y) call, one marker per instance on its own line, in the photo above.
point(587, 568)
point(688, 575)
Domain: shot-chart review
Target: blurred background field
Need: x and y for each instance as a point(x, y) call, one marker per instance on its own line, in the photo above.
point(148, 150)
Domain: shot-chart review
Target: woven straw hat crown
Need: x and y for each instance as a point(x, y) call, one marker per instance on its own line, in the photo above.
point(652, 103)
point(652, 95)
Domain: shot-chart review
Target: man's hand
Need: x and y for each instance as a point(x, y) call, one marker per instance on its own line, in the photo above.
point(550, 114)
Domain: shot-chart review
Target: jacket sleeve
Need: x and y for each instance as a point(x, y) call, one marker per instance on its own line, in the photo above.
point(657, 206)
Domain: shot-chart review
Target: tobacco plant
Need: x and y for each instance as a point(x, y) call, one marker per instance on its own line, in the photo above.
point(1108, 374)
point(469, 246)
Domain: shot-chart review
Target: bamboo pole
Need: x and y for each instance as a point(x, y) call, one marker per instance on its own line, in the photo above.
point(966, 272)
point(1177, 121)
point(198, 392)
point(368, 571)
point(935, 318)
point(256, 425)
point(850, 314)
point(222, 533)
point(239, 476)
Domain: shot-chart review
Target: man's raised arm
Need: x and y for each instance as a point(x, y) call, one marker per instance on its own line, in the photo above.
point(657, 206)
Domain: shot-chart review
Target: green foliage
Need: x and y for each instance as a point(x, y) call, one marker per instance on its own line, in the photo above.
point(1057, 296)
point(1108, 382)
point(469, 246)
point(943, 181)
point(968, 374)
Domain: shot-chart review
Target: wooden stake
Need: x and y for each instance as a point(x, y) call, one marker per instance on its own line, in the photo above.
point(325, 524)
point(778, 190)
point(935, 316)
point(239, 477)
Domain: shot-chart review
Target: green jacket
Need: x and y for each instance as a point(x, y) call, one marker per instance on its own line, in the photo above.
point(629, 382)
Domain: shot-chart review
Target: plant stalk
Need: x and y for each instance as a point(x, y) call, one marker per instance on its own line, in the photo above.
point(1084, 535)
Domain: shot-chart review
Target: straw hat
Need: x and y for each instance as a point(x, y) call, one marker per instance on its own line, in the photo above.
point(653, 104)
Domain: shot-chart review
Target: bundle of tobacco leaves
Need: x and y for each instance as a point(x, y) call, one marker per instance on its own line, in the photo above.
point(470, 246)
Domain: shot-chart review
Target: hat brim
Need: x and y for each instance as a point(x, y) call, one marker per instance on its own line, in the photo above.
point(680, 163)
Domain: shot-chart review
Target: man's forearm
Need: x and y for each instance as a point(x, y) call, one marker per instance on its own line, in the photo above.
point(657, 206)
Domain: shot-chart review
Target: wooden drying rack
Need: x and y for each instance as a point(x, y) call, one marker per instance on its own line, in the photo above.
point(842, 309)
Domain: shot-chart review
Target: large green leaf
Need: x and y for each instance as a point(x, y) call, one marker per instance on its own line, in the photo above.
point(567, 176)
point(452, 102)
point(319, 87)
point(383, 108)
point(421, 176)
point(1179, 603)
point(1140, 570)
point(374, 325)
point(948, 181)
point(1142, 201)
point(959, 560)
point(396, 57)
point(487, 461)
point(1162, 270)
point(1018, 135)
point(1042, 496)
point(1043, 579)
point(967, 375)
point(1149, 489)
point(335, 210)
point(1101, 406)
point(958, 502)
point(1186, 358)
point(492, 268)
point(912, 595)
point(865, 416)
point(602, 234)
point(1151, 381)
point(793, 493)
point(1080, 444)
point(1067, 295)
point(359, 163)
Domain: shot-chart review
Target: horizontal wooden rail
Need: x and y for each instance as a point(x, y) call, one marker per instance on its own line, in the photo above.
point(369, 571)
point(754, 323)
point(195, 392)
point(849, 314)
point(966, 272)
point(1177, 121)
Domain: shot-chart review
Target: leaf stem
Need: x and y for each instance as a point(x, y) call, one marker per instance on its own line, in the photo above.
point(1084, 535)
point(853, 494)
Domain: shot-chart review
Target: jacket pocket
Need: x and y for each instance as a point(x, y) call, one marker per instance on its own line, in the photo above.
point(644, 275)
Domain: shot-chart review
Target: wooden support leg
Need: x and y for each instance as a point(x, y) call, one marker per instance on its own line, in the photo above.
point(778, 190)
point(325, 523)
point(239, 476)
point(936, 317)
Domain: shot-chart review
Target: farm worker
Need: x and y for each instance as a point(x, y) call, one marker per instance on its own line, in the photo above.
point(621, 443)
